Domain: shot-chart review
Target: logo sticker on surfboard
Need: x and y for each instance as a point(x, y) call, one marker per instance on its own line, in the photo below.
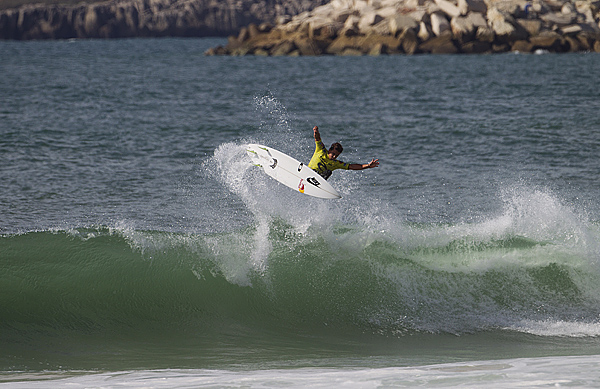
point(301, 186)
point(313, 181)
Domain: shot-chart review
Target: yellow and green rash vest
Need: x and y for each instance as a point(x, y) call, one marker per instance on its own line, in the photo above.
point(321, 163)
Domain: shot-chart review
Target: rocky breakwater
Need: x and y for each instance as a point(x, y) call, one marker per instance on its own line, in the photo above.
point(374, 27)
point(143, 18)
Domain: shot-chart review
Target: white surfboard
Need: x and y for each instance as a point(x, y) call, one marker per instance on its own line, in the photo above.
point(290, 172)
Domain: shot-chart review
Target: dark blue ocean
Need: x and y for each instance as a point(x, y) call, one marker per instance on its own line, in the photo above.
point(140, 247)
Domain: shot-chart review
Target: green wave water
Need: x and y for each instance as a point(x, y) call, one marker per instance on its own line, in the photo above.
point(277, 282)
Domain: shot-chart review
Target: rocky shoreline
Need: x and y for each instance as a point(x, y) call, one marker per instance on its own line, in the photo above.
point(144, 18)
point(375, 27)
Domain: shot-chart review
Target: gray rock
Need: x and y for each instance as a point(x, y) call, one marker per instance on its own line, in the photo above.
point(466, 6)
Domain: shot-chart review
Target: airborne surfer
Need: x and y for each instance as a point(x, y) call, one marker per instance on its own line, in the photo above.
point(325, 161)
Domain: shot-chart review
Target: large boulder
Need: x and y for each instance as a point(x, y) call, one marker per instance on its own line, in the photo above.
point(532, 26)
point(477, 19)
point(283, 48)
point(399, 23)
point(425, 32)
point(522, 46)
point(442, 44)
point(467, 6)
point(368, 20)
point(307, 47)
point(448, 8)
point(559, 19)
point(476, 47)
point(439, 23)
point(547, 40)
point(463, 29)
point(505, 28)
point(323, 28)
point(410, 41)
point(485, 34)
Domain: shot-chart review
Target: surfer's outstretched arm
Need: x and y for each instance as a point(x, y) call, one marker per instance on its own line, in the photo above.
point(358, 166)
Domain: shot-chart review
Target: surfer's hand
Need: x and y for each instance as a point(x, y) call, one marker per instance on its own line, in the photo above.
point(373, 163)
point(317, 134)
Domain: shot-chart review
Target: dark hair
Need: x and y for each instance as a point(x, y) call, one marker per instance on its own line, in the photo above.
point(336, 146)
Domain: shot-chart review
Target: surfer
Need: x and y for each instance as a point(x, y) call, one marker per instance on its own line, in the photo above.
point(325, 161)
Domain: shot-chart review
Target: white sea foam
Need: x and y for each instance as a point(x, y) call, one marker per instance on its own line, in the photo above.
point(560, 328)
point(569, 371)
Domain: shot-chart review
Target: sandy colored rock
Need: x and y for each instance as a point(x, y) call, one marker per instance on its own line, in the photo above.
point(559, 19)
point(439, 23)
point(425, 32)
point(547, 40)
point(485, 34)
point(283, 48)
point(532, 26)
point(462, 29)
point(377, 50)
point(410, 41)
point(448, 8)
point(477, 19)
point(399, 23)
point(505, 28)
point(307, 47)
point(439, 45)
point(476, 47)
point(522, 46)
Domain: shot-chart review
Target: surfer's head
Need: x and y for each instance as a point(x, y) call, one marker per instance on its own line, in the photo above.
point(335, 150)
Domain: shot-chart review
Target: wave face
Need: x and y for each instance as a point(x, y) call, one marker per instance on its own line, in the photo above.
point(522, 271)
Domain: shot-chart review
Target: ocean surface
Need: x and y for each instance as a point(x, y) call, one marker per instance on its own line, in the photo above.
point(139, 247)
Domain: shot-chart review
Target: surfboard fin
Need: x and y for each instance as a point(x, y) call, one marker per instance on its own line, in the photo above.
point(267, 150)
